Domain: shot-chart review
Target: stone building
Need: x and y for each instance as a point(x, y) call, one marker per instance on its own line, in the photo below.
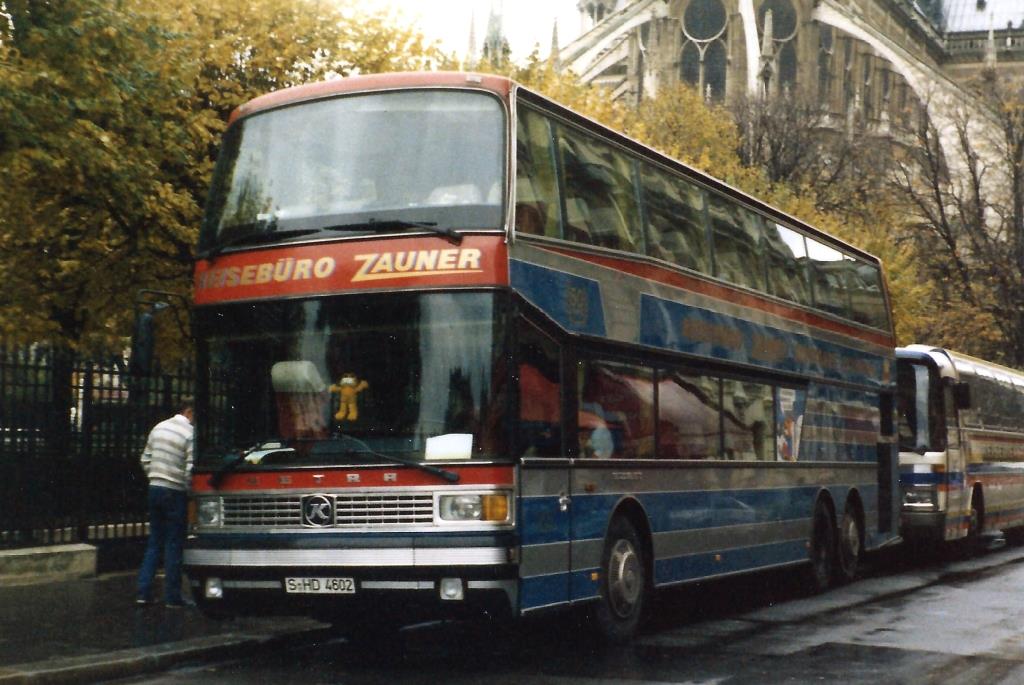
point(873, 64)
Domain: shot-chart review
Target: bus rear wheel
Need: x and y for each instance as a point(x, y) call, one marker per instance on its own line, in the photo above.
point(623, 589)
point(822, 549)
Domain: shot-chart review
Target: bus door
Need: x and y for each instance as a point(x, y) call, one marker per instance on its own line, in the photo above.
point(545, 533)
point(539, 438)
point(957, 486)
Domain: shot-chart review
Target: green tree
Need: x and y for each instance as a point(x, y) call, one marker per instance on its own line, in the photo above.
point(110, 116)
point(967, 212)
point(565, 88)
point(92, 141)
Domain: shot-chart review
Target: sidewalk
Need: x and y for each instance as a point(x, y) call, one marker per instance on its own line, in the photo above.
point(90, 629)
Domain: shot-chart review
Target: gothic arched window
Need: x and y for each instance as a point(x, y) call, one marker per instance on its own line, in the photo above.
point(703, 58)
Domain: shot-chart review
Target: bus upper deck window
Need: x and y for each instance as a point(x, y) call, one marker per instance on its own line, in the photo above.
point(674, 211)
point(536, 201)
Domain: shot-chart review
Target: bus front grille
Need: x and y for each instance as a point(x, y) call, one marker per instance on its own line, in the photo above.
point(260, 512)
point(349, 511)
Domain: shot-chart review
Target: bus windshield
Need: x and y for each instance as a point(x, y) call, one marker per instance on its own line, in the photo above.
point(352, 379)
point(919, 427)
point(360, 162)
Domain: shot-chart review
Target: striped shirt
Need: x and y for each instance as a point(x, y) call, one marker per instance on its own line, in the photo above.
point(167, 459)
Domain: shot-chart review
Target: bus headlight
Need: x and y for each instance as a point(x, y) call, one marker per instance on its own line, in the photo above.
point(491, 507)
point(922, 497)
point(208, 511)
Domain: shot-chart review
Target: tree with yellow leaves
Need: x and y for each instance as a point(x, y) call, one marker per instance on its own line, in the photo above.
point(110, 120)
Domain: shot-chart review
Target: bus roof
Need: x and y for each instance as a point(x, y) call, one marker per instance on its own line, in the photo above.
point(963, 363)
point(412, 79)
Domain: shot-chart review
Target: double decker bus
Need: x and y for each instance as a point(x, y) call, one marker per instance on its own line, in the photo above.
point(463, 350)
point(961, 441)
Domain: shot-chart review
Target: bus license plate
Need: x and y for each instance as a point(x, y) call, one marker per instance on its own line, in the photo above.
point(320, 586)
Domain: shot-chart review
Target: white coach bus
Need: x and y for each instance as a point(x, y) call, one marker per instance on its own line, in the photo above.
point(961, 437)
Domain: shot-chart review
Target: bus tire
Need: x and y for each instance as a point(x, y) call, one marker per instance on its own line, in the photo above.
point(849, 545)
point(822, 550)
point(623, 589)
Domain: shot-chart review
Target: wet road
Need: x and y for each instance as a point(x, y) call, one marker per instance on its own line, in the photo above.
point(967, 629)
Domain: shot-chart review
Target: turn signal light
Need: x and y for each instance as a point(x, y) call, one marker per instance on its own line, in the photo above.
point(495, 507)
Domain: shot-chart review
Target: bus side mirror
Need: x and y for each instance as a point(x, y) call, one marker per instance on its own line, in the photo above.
point(962, 395)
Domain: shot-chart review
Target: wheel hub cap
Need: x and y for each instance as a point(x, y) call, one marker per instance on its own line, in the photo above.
point(625, 579)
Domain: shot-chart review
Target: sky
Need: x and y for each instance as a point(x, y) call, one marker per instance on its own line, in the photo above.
point(526, 22)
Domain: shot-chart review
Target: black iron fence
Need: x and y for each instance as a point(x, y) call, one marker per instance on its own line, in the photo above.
point(71, 433)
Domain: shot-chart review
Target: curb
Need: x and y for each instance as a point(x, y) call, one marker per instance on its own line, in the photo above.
point(124, 663)
point(32, 565)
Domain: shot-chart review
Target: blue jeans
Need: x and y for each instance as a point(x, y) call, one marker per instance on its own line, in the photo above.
point(167, 513)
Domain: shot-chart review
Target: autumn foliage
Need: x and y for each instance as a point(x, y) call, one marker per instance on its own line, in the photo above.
point(110, 119)
point(111, 112)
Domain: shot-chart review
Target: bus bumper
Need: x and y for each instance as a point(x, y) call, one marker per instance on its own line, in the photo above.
point(449, 578)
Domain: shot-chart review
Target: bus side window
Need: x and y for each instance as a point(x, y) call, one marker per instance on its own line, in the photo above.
point(736, 234)
point(971, 418)
point(674, 211)
point(867, 298)
point(786, 253)
point(616, 411)
point(536, 203)
point(539, 426)
point(828, 278)
point(748, 413)
point(601, 179)
point(689, 420)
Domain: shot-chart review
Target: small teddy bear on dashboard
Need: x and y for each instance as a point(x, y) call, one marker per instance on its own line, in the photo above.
point(348, 388)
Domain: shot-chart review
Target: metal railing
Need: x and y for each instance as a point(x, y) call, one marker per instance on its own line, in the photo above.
point(71, 432)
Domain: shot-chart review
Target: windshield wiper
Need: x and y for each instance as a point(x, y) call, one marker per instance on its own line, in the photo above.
point(265, 235)
point(447, 475)
point(389, 224)
point(218, 476)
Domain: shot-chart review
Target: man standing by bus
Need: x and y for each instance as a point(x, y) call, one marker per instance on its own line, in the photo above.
point(167, 462)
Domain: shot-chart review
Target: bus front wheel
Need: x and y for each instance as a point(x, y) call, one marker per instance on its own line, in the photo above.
point(850, 546)
point(971, 545)
point(623, 588)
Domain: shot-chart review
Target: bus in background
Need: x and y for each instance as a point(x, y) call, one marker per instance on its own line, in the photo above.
point(961, 438)
point(464, 350)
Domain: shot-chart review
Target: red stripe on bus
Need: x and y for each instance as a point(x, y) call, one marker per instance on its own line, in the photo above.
point(726, 294)
point(424, 262)
point(332, 478)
